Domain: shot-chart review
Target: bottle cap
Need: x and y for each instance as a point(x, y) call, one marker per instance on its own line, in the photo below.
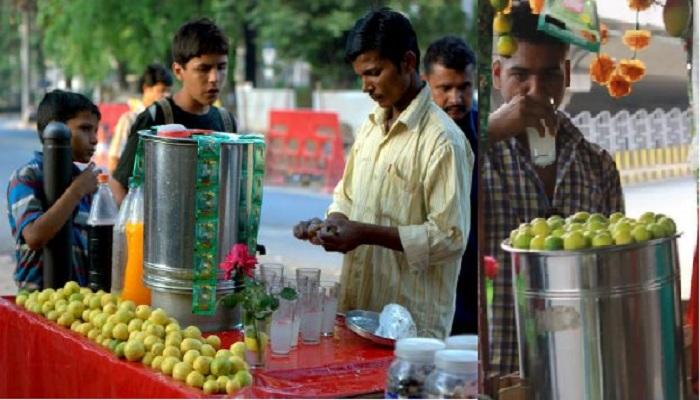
point(463, 342)
point(102, 178)
point(420, 350)
point(457, 361)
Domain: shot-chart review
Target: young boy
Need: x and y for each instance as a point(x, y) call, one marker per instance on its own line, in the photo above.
point(154, 85)
point(32, 224)
point(200, 62)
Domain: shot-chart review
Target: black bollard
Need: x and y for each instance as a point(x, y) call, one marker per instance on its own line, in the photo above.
point(58, 165)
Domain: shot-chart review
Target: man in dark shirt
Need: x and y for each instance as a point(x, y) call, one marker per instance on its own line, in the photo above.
point(200, 60)
point(449, 66)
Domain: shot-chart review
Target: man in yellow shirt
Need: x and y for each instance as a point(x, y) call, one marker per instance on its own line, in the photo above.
point(401, 211)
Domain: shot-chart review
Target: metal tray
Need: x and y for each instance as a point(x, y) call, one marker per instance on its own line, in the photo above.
point(364, 323)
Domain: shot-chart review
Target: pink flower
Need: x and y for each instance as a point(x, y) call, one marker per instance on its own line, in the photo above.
point(238, 261)
point(490, 267)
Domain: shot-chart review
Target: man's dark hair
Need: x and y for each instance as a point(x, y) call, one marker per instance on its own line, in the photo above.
point(196, 38)
point(61, 106)
point(449, 51)
point(525, 27)
point(384, 30)
point(153, 75)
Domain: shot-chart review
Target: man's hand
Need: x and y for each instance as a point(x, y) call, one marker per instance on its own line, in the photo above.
point(86, 182)
point(340, 234)
point(307, 230)
point(522, 111)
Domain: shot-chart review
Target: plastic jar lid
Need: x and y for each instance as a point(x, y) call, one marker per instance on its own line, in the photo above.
point(457, 361)
point(420, 350)
point(463, 342)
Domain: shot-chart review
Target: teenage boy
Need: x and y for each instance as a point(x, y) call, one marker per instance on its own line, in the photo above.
point(200, 63)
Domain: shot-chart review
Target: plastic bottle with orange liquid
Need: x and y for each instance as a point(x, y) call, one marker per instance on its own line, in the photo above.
point(134, 289)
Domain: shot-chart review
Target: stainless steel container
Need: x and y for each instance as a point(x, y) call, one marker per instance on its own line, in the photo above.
point(169, 205)
point(600, 323)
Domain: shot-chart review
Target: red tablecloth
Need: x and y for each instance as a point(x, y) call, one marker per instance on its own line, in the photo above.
point(39, 358)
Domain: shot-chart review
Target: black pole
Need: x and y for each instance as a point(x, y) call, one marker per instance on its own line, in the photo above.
point(58, 163)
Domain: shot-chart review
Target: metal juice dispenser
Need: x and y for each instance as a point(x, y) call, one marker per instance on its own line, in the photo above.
point(600, 323)
point(203, 193)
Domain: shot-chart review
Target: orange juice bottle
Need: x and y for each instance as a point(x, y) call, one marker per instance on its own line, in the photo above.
point(134, 288)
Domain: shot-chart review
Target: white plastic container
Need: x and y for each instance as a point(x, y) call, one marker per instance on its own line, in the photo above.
point(456, 375)
point(413, 364)
point(463, 342)
point(543, 149)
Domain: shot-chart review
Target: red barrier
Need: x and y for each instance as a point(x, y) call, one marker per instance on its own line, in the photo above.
point(304, 143)
point(110, 116)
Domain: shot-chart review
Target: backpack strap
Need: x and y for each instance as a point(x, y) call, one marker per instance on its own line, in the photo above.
point(227, 119)
point(167, 111)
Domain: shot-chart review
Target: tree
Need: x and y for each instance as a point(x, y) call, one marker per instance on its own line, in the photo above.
point(316, 31)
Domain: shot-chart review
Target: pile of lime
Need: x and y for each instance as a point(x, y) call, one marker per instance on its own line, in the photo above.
point(140, 333)
point(583, 230)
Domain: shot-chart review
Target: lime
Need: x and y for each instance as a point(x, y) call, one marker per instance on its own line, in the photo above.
point(172, 351)
point(214, 341)
point(574, 241)
point(190, 356)
point(540, 228)
point(537, 242)
point(232, 386)
point(119, 350)
point(135, 325)
point(189, 343)
point(195, 379)
point(142, 311)
point(202, 364)
point(575, 226)
point(134, 350)
point(192, 332)
point(581, 216)
point(159, 317)
point(601, 240)
point(172, 327)
point(71, 287)
point(502, 23)
point(237, 364)
point(127, 305)
point(522, 241)
point(238, 349)
point(640, 233)
point(506, 46)
point(245, 378)
point(668, 224)
point(147, 359)
point(552, 243)
point(157, 348)
point(616, 216)
point(181, 370)
point(221, 383)
point(150, 341)
point(167, 365)
point(622, 237)
point(210, 387)
point(157, 362)
point(647, 218)
point(220, 366)
point(207, 350)
point(657, 230)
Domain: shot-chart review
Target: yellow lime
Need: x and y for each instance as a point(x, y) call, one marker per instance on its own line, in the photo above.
point(181, 370)
point(195, 379)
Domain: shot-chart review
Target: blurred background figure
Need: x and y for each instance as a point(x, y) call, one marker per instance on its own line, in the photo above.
point(154, 85)
point(449, 68)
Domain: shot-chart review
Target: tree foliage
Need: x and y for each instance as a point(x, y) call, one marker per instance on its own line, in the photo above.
point(97, 40)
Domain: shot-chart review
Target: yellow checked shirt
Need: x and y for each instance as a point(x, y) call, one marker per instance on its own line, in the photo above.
point(416, 177)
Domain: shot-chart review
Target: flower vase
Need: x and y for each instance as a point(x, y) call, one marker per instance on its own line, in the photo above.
point(256, 336)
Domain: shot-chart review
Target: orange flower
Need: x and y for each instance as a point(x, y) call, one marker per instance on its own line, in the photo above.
point(601, 69)
point(636, 39)
point(619, 85)
point(536, 6)
point(640, 5)
point(634, 70)
point(603, 34)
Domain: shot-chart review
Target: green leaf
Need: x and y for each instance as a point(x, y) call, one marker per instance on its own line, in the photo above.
point(288, 294)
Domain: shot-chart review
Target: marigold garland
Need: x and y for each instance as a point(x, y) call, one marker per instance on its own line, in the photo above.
point(634, 70)
point(601, 69)
point(637, 39)
point(640, 5)
point(619, 85)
